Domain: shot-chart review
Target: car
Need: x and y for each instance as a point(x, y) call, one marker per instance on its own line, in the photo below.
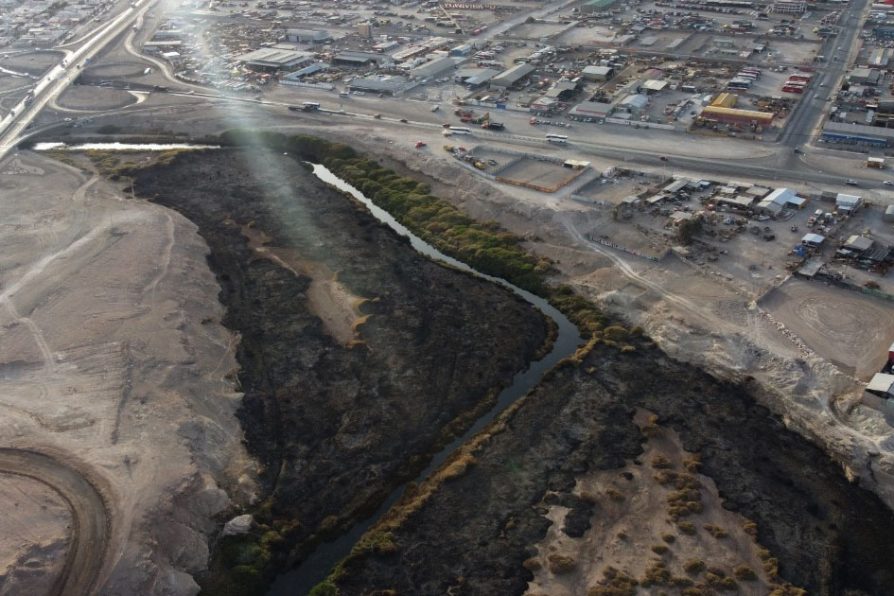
point(851, 182)
point(404, 120)
point(66, 119)
point(797, 151)
point(664, 158)
point(377, 116)
point(888, 183)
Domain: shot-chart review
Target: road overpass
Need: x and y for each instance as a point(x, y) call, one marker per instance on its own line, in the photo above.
point(54, 82)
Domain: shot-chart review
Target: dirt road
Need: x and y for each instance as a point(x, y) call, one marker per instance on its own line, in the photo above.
point(91, 524)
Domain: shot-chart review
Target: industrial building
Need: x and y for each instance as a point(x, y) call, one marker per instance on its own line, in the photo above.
point(512, 76)
point(857, 134)
point(598, 73)
point(882, 385)
point(387, 85)
point(473, 78)
point(357, 59)
point(588, 111)
point(789, 6)
point(779, 199)
point(865, 76)
point(848, 203)
point(307, 36)
point(436, 68)
point(736, 116)
point(275, 59)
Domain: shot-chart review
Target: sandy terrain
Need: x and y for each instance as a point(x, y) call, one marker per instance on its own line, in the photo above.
point(327, 298)
point(632, 531)
point(35, 535)
point(851, 330)
point(112, 355)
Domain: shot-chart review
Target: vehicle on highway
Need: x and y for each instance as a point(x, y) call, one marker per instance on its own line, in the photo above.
point(421, 144)
point(888, 183)
point(435, 108)
point(377, 116)
point(460, 130)
point(344, 94)
point(664, 158)
point(851, 182)
point(556, 137)
point(404, 120)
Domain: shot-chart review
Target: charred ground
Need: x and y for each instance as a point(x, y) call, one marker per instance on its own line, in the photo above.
point(475, 532)
point(337, 426)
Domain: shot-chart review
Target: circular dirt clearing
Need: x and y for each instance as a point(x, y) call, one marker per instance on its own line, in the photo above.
point(33, 62)
point(34, 535)
point(844, 326)
point(94, 99)
point(116, 70)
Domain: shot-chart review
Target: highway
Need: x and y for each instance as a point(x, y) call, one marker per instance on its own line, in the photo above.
point(54, 82)
point(780, 163)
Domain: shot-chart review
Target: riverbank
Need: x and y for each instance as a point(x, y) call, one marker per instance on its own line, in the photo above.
point(800, 508)
point(532, 473)
point(336, 426)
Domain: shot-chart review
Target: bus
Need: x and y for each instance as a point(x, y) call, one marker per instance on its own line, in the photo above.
point(310, 106)
point(460, 130)
point(556, 137)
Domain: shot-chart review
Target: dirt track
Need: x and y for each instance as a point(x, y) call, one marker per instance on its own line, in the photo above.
point(847, 328)
point(111, 355)
point(91, 524)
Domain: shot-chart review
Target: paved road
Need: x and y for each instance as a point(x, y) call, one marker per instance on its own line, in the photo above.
point(90, 528)
point(809, 111)
point(53, 83)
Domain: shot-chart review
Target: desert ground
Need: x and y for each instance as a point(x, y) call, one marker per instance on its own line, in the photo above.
point(113, 361)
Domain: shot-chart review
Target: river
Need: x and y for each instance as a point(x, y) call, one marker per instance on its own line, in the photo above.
point(320, 562)
point(50, 146)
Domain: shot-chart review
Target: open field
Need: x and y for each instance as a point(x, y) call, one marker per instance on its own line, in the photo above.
point(35, 63)
point(533, 173)
point(82, 98)
point(850, 329)
point(113, 360)
point(34, 535)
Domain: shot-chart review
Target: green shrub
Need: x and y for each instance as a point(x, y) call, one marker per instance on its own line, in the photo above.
point(324, 588)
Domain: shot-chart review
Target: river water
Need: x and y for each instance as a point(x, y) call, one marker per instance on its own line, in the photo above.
point(320, 562)
point(120, 146)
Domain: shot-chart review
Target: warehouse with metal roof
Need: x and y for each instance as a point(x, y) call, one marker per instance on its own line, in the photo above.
point(274, 59)
point(510, 77)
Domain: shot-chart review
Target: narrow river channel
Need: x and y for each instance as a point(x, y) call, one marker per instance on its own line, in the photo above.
point(318, 564)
